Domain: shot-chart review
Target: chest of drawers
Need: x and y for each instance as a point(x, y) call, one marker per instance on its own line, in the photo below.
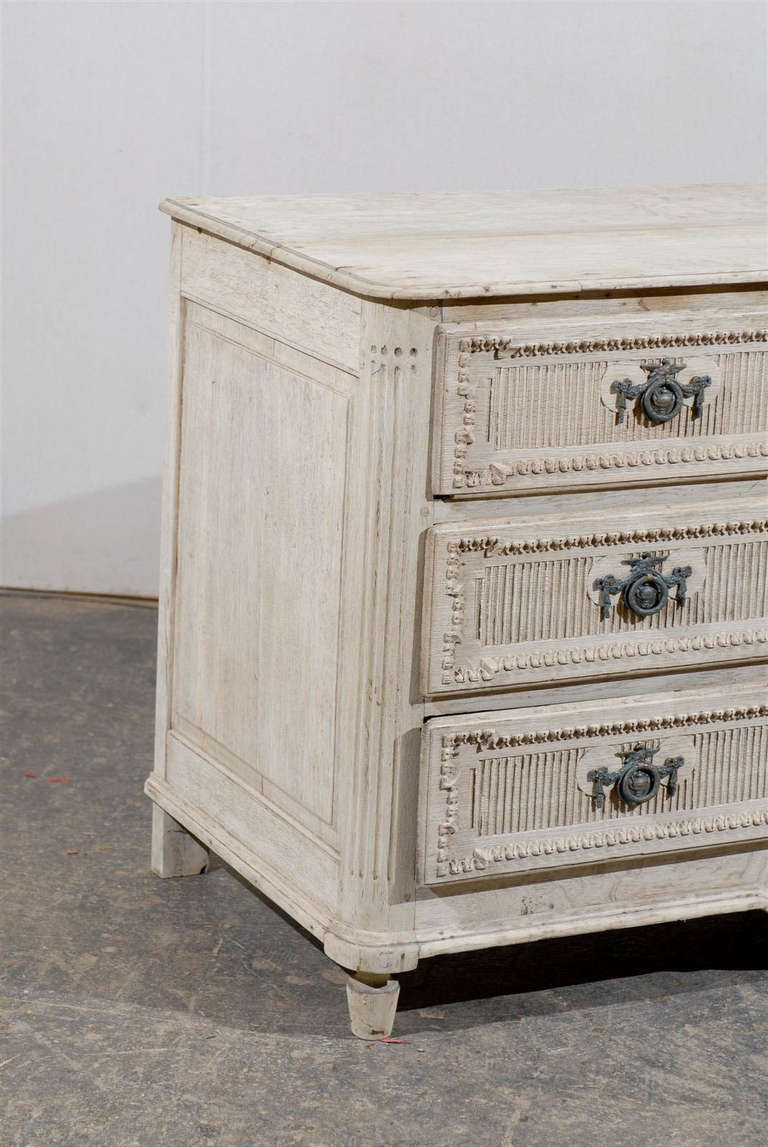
point(465, 564)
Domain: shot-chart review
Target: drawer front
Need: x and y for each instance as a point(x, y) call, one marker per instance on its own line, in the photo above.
point(609, 408)
point(511, 791)
point(525, 601)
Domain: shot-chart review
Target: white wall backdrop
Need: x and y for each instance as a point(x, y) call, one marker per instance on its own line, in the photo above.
point(110, 106)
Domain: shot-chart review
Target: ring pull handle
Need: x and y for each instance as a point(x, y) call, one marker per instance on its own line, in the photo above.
point(661, 395)
point(645, 589)
point(638, 780)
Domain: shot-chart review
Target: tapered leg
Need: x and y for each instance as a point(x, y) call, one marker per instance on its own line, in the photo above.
point(174, 851)
point(372, 1002)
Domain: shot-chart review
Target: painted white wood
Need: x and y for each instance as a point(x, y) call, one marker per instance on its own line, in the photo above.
point(305, 553)
point(273, 840)
point(556, 693)
point(613, 500)
point(531, 315)
point(442, 245)
point(491, 913)
point(213, 833)
point(389, 507)
point(169, 533)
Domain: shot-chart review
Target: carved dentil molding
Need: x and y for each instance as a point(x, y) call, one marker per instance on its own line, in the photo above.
point(489, 667)
point(481, 858)
point(480, 344)
point(490, 546)
point(488, 739)
point(497, 473)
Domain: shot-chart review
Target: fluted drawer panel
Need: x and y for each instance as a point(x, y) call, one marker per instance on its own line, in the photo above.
point(526, 403)
point(513, 790)
point(519, 415)
point(542, 600)
point(516, 601)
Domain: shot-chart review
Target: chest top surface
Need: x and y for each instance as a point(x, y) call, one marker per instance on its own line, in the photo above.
point(442, 245)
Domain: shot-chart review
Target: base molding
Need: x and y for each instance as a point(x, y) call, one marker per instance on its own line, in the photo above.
point(385, 953)
point(308, 913)
point(381, 952)
point(691, 908)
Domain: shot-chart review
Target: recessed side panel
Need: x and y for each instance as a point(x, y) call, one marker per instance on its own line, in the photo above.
point(508, 792)
point(261, 502)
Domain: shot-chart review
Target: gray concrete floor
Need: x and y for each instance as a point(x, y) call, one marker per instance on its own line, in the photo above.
point(145, 1013)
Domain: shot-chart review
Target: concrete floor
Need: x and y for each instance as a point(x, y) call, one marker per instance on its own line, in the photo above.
point(145, 1013)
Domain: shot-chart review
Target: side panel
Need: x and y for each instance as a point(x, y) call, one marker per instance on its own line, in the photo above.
point(263, 375)
point(261, 504)
point(170, 502)
point(276, 847)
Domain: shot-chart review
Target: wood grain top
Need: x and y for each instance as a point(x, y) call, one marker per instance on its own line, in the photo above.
point(443, 245)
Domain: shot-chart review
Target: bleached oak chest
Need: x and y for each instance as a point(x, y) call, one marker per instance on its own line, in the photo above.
point(463, 615)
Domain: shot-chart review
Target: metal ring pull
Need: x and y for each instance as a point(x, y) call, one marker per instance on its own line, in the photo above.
point(661, 395)
point(645, 589)
point(638, 780)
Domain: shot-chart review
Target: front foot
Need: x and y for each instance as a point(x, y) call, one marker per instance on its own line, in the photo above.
point(372, 1002)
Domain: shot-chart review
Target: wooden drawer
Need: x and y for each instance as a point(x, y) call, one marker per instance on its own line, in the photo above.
point(511, 602)
point(522, 408)
point(515, 790)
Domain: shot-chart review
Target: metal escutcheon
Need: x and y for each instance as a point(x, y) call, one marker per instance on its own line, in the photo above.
point(638, 780)
point(645, 589)
point(662, 394)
